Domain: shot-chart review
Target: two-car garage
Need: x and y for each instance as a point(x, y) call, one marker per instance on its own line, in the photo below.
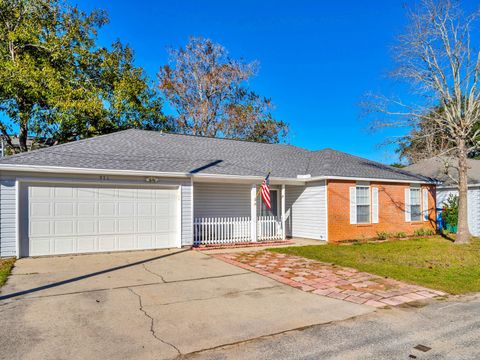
point(81, 218)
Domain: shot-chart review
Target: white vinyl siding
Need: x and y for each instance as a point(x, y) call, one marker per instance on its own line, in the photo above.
point(306, 213)
point(186, 222)
point(221, 200)
point(8, 232)
point(473, 205)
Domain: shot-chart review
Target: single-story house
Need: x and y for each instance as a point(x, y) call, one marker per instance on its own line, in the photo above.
point(139, 189)
point(443, 169)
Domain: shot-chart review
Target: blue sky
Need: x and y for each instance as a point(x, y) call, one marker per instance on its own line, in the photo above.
point(317, 58)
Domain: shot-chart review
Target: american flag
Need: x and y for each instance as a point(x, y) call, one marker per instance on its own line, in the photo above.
point(266, 191)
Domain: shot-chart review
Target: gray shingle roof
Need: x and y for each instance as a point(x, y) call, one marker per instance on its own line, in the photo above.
point(154, 151)
point(435, 167)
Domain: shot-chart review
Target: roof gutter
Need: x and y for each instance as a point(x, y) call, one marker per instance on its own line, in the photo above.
point(319, 178)
point(300, 180)
point(89, 171)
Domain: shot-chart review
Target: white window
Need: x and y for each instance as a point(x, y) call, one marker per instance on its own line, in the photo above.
point(415, 204)
point(363, 204)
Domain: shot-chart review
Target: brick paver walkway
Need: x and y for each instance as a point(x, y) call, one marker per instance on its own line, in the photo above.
point(329, 280)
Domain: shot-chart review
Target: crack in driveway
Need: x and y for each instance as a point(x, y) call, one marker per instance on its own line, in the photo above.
point(219, 296)
point(152, 320)
point(153, 273)
point(3, 302)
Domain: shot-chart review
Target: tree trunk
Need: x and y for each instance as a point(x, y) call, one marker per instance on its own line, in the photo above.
point(24, 116)
point(22, 138)
point(463, 233)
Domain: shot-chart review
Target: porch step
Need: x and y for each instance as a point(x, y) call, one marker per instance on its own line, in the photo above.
point(241, 245)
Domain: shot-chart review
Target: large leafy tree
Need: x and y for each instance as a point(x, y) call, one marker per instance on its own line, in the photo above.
point(55, 81)
point(208, 89)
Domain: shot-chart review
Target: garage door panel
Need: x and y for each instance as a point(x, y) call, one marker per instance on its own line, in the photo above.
point(145, 241)
point(86, 194)
point(106, 243)
point(106, 226)
point(40, 192)
point(64, 209)
point(146, 209)
point(86, 210)
point(40, 246)
point(63, 192)
point(145, 225)
point(86, 227)
point(162, 225)
point(164, 238)
point(106, 194)
point(126, 225)
point(106, 209)
point(63, 227)
point(40, 228)
point(126, 209)
point(40, 209)
point(163, 209)
point(63, 245)
point(126, 242)
point(86, 244)
point(146, 194)
point(69, 219)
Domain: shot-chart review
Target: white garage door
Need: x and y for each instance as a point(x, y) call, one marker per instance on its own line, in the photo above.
point(78, 219)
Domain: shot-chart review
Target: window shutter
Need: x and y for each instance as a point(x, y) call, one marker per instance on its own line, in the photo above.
point(407, 205)
point(375, 205)
point(353, 205)
point(425, 204)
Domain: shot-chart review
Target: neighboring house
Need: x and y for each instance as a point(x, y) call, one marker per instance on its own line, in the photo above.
point(443, 170)
point(141, 190)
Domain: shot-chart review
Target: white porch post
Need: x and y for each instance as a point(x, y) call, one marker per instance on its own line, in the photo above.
point(253, 213)
point(283, 211)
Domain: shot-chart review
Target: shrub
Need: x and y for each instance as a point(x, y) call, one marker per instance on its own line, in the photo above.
point(424, 232)
point(399, 235)
point(450, 211)
point(383, 235)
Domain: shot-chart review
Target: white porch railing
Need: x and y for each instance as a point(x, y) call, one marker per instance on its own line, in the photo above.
point(221, 230)
point(269, 228)
point(234, 230)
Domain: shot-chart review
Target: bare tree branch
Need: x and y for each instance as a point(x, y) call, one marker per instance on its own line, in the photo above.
point(435, 55)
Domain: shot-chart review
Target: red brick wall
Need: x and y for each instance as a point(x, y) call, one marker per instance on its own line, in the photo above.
point(391, 216)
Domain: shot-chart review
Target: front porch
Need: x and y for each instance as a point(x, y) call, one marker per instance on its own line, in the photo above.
point(262, 224)
point(233, 213)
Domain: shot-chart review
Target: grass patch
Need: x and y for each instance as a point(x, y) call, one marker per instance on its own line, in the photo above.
point(433, 262)
point(6, 266)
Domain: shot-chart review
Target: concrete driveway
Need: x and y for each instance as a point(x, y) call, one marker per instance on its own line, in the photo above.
point(145, 305)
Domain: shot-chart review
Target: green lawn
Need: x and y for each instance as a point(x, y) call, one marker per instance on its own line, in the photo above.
point(6, 266)
point(432, 262)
